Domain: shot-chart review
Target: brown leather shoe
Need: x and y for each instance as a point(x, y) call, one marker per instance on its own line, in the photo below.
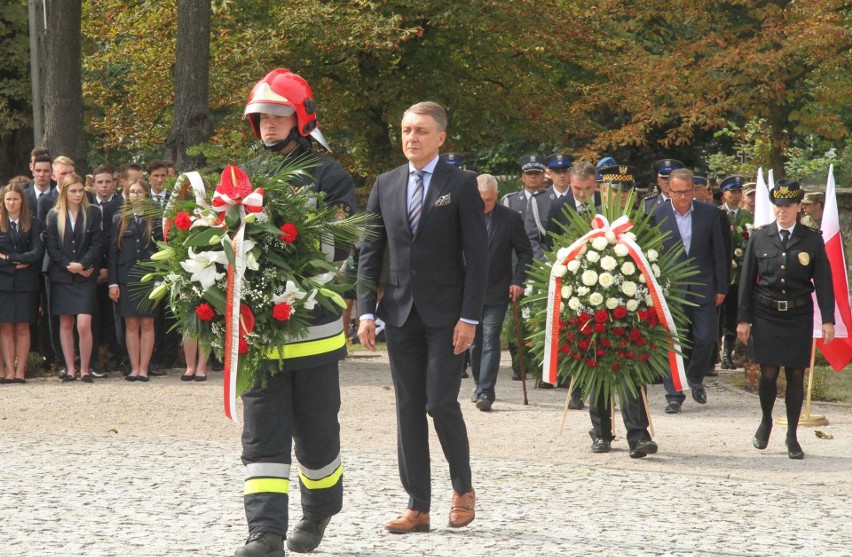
point(409, 521)
point(462, 512)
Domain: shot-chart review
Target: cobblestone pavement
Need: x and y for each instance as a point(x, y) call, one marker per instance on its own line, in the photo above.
point(92, 494)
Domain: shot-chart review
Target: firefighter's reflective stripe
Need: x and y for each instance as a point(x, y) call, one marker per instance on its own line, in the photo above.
point(319, 340)
point(266, 477)
point(323, 478)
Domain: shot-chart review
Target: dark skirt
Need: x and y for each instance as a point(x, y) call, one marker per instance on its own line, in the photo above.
point(73, 298)
point(782, 338)
point(130, 300)
point(18, 307)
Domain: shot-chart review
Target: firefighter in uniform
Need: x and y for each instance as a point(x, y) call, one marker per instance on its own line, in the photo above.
point(299, 403)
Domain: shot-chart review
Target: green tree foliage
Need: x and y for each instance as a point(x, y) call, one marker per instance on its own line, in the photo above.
point(15, 90)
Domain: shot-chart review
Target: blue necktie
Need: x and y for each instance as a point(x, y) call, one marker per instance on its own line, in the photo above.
point(415, 204)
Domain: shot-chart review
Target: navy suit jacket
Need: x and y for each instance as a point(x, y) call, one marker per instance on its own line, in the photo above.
point(506, 236)
point(83, 245)
point(707, 249)
point(442, 269)
point(25, 247)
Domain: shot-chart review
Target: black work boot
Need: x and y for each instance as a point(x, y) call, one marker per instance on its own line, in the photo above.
point(727, 354)
point(262, 544)
point(307, 535)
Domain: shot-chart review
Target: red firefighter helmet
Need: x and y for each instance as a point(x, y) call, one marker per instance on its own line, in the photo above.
point(281, 92)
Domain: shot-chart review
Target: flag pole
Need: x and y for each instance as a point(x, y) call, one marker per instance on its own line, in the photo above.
point(808, 419)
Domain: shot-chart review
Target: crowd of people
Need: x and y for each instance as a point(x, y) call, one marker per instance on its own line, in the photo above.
point(69, 252)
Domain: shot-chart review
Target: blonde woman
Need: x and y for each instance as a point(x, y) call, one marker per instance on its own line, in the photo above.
point(75, 247)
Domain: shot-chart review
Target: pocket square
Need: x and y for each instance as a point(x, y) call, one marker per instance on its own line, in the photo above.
point(443, 200)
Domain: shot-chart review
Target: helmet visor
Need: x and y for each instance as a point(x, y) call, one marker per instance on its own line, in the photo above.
point(269, 108)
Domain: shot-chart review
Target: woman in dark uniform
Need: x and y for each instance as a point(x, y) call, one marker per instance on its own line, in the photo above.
point(784, 263)
point(133, 240)
point(74, 244)
point(21, 252)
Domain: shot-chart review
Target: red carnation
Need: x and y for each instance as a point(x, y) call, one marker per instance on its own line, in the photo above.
point(635, 334)
point(289, 233)
point(618, 331)
point(631, 355)
point(583, 344)
point(281, 311)
point(620, 312)
point(591, 363)
point(616, 366)
point(600, 352)
point(204, 312)
point(564, 348)
point(643, 357)
point(243, 347)
point(183, 221)
point(602, 316)
point(606, 343)
point(600, 328)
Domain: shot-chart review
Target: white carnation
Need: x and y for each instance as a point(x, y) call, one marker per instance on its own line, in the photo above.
point(566, 291)
point(582, 290)
point(599, 243)
point(574, 303)
point(629, 288)
point(596, 299)
point(593, 256)
point(656, 269)
point(738, 252)
point(573, 265)
point(558, 270)
point(608, 263)
point(652, 255)
point(628, 268)
point(611, 303)
point(620, 250)
point(606, 280)
point(589, 278)
point(632, 305)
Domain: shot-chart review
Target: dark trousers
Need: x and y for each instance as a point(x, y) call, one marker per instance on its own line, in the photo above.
point(301, 406)
point(53, 327)
point(426, 378)
point(167, 340)
point(485, 352)
point(103, 325)
point(40, 337)
point(702, 332)
point(728, 313)
point(632, 413)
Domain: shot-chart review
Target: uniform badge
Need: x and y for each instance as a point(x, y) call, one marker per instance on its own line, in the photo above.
point(804, 258)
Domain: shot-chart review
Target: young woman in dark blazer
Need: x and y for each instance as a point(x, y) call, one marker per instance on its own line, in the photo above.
point(132, 240)
point(75, 246)
point(21, 252)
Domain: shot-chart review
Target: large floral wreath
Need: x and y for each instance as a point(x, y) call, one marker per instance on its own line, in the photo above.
point(243, 272)
point(607, 304)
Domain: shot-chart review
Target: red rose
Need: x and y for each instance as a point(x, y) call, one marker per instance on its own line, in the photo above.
point(577, 356)
point(571, 337)
point(602, 316)
point(606, 343)
point(631, 355)
point(643, 314)
point(586, 329)
point(183, 221)
point(652, 320)
point(600, 328)
point(618, 331)
point(565, 349)
point(643, 357)
point(600, 352)
point(623, 342)
point(583, 344)
point(635, 334)
point(620, 312)
point(591, 363)
point(289, 233)
point(616, 366)
point(641, 341)
point(744, 234)
point(281, 311)
point(204, 312)
point(573, 321)
point(243, 347)
point(585, 317)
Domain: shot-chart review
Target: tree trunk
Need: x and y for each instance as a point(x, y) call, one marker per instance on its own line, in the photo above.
point(63, 86)
point(191, 119)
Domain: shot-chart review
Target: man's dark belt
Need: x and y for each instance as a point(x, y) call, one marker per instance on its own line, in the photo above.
point(782, 305)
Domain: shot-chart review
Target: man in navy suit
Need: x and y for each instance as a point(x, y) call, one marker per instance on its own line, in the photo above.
point(697, 227)
point(506, 236)
point(428, 217)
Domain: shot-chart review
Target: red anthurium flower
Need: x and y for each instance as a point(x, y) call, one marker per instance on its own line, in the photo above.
point(243, 347)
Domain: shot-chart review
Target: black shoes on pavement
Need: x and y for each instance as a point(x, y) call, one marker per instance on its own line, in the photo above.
point(643, 449)
point(262, 544)
point(307, 535)
point(600, 445)
point(761, 436)
point(673, 408)
point(484, 404)
point(699, 395)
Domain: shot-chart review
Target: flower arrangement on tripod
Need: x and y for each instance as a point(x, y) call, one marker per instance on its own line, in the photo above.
point(246, 269)
point(611, 305)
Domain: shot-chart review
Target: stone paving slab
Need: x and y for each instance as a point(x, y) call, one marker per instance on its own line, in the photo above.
point(105, 495)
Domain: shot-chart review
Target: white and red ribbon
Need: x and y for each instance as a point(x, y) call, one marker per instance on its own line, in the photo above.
point(602, 227)
point(187, 180)
point(235, 190)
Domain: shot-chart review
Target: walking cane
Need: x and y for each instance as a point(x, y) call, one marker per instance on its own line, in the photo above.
point(520, 351)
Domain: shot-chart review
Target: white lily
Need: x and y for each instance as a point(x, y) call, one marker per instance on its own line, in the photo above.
point(202, 266)
point(203, 218)
point(311, 302)
point(291, 293)
point(251, 260)
point(322, 279)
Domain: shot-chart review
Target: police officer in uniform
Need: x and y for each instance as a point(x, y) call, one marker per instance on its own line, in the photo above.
point(662, 168)
point(532, 176)
point(784, 263)
point(299, 403)
point(617, 182)
point(455, 159)
point(735, 219)
point(538, 212)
